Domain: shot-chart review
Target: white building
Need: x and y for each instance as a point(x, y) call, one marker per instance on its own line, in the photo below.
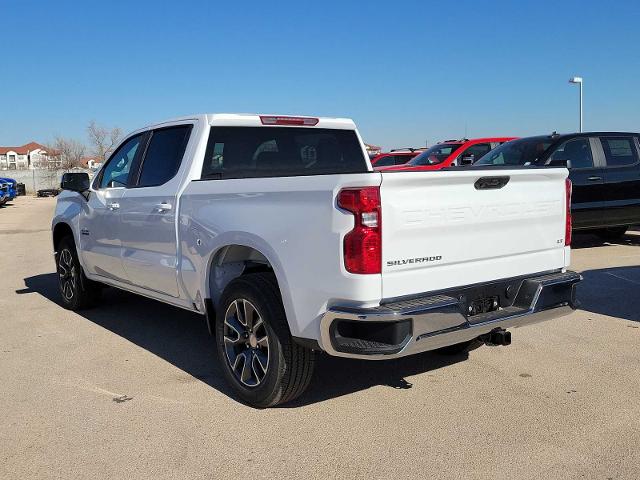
point(29, 156)
point(92, 163)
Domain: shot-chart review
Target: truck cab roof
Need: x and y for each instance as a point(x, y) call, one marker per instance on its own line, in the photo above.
point(259, 120)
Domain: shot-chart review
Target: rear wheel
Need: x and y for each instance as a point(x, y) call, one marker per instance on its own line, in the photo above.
point(612, 234)
point(258, 356)
point(76, 290)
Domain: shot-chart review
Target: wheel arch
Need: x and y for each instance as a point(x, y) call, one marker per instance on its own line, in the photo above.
point(61, 230)
point(232, 260)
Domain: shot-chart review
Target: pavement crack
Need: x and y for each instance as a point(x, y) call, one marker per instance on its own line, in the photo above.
point(122, 398)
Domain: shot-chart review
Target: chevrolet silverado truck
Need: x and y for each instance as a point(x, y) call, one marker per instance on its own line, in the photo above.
point(277, 230)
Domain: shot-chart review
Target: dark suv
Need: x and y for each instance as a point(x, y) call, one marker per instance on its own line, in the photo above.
point(604, 168)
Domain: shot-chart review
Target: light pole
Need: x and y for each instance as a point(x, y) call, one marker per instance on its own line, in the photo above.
point(578, 80)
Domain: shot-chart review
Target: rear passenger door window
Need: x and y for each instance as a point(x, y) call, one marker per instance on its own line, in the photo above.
point(164, 155)
point(619, 151)
point(576, 152)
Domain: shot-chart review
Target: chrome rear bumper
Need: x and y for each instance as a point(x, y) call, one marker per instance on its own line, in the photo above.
point(425, 323)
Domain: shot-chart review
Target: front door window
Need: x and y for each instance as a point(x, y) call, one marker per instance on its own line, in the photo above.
point(116, 172)
point(575, 152)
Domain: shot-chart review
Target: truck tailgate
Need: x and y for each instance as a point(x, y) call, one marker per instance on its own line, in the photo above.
point(449, 228)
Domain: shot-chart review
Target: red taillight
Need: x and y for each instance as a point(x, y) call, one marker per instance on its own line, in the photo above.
point(567, 228)
point(363, 244)
point(305, 121)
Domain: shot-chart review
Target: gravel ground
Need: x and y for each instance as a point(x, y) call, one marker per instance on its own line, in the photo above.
point(132, 389)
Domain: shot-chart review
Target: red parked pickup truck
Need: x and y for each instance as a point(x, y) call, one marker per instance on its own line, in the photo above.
point(449, 153)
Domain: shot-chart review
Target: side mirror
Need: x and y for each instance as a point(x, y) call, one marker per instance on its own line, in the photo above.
point(560, 162)
point(76, 182)
point(467, 159)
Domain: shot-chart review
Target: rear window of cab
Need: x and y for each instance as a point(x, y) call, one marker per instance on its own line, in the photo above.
point(259, 152)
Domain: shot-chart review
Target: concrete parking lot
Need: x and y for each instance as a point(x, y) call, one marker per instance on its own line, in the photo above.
point(133, 390)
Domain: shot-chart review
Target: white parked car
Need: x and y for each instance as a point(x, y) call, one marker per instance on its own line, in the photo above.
point(279, 232)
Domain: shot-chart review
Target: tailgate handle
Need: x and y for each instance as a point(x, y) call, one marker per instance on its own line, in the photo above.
point(491, 183)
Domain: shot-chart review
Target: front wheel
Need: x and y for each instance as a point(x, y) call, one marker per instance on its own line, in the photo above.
point(258, 356)
point(76, 290)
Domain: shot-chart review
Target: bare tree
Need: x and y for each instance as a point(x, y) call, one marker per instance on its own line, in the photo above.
point(66, 153)
point(102, 139)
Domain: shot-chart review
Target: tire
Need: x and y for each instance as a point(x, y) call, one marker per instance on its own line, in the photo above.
point(458, 348)
point(257, 354)
point(76, 290)
point(611, 234)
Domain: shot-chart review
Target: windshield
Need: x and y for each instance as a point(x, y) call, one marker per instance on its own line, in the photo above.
point(526, 151)
point(436, 154)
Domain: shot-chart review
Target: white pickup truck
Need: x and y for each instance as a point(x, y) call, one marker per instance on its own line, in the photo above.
point(279, 232)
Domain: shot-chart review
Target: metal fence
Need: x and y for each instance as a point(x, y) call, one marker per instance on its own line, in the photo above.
point(35, 180)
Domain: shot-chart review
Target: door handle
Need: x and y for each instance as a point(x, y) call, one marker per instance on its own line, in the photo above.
point(163, 207)
point(491, 183)
point(594, 179)
point(113, 206)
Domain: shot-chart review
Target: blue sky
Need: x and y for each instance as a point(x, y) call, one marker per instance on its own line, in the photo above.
point(404, 71)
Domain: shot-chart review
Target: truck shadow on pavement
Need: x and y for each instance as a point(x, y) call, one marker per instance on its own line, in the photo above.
point(588, 240)
point(181, 338)
point(611, 291)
